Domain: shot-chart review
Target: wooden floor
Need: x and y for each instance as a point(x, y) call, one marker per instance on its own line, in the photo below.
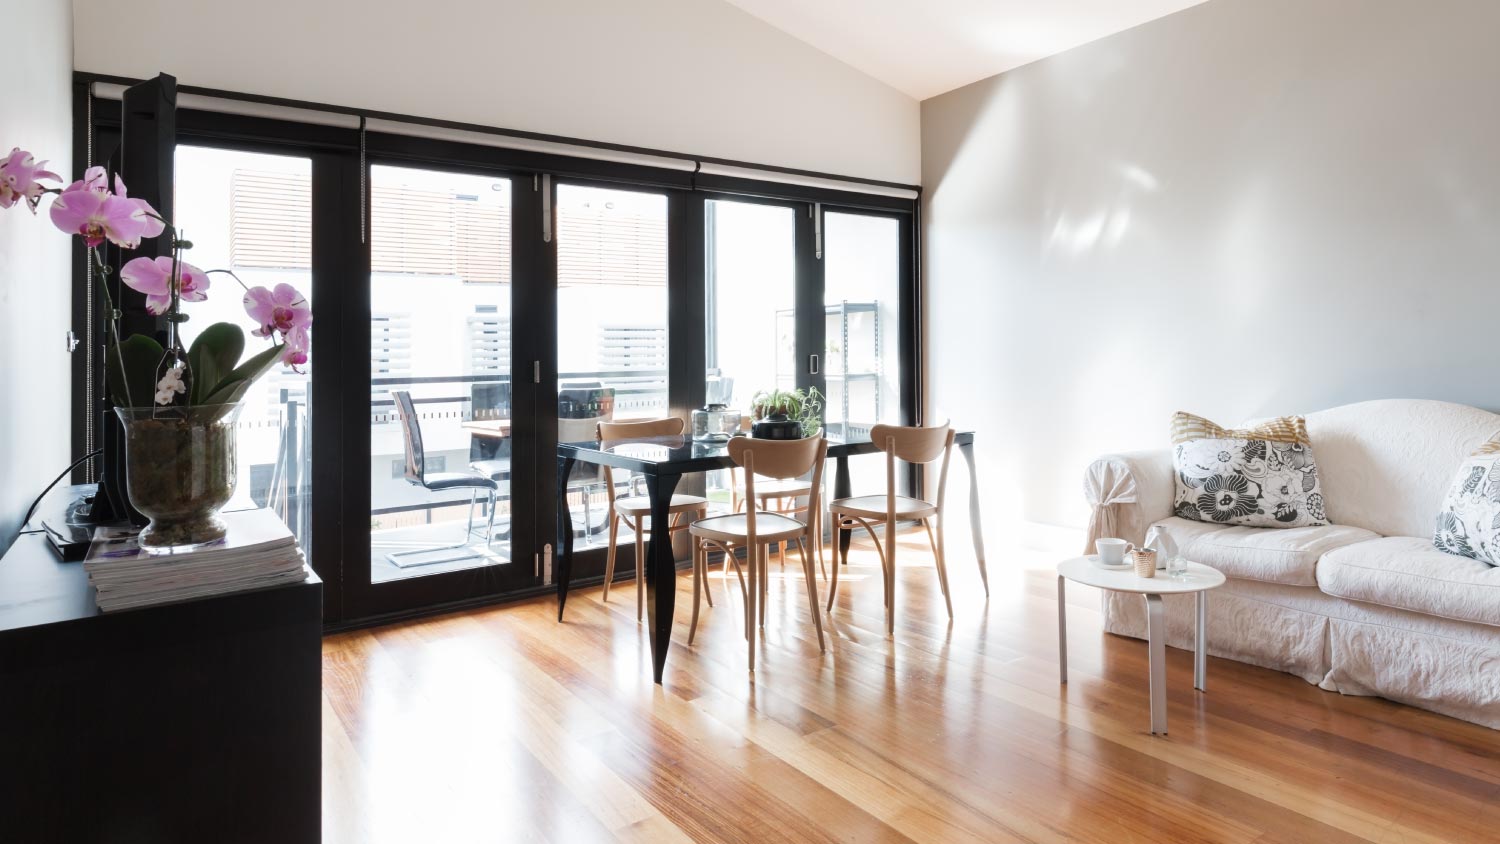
point(502, 725)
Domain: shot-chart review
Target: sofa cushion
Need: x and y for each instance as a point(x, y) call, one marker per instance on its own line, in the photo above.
point(1408, 573)
point(1257, 477)
point(1286, 555)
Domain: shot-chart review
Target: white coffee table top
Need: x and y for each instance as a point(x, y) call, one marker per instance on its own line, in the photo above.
point(1083, 570)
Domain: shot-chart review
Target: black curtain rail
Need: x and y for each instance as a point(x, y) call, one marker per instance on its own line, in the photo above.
point(305, 105)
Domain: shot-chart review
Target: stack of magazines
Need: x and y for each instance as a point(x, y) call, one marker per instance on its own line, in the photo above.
point(258, 551)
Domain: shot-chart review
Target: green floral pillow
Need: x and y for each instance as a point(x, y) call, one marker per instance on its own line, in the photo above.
point(1469, 524)
point(1257, 477)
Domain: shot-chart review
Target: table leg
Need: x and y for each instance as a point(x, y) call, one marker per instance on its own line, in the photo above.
point(661, 571)
point(562, 567)
point(1200, 645)
point(1062, 627)
point(1156, 649)
point(842, 489)
point(975, 528)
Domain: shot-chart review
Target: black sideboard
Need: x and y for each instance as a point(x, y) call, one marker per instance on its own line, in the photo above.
point(190, 722)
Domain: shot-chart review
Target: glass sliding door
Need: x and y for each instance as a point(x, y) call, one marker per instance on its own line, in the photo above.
point(862, 300)
point(750, 286)
point(612, 342)
point(251, 213)
point(448, 499)
point(750, 320)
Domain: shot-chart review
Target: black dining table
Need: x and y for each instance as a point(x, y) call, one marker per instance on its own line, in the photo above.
point(662, 461)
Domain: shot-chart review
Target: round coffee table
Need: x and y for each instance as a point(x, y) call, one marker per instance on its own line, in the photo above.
point(1198, 580)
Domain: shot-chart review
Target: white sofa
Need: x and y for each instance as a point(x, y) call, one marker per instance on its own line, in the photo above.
point(1364, 606)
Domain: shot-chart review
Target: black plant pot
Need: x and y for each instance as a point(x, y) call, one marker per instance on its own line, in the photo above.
point(776, 427)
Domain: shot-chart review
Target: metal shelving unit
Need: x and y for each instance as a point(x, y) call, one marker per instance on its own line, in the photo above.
point(837, 362)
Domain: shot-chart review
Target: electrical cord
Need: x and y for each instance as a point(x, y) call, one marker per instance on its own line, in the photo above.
point(37, 503)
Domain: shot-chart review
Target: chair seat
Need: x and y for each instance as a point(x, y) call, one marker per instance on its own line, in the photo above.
point(498, 469)
point(873, 506)
point(640, 505)
point(768, 488)
point(735, 527)
point(436, 481)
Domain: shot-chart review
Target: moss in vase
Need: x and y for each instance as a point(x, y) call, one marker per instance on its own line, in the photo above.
point(179, 472)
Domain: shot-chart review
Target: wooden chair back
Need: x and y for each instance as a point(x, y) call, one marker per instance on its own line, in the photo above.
point(780, 459)
point(669, 427)
point(913, 445)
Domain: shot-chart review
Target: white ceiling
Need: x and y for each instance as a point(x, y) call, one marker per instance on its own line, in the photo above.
point(927, 47)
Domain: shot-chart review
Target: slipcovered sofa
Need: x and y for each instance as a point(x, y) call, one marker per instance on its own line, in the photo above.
point(1366, 605)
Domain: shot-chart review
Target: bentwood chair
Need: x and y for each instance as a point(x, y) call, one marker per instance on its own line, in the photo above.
point(779, 496)
point(634, 511)
point(911, 445)
point(754, 529)
point(417, 475)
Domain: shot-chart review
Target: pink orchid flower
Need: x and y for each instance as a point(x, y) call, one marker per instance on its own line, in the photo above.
point(298, 343)
point(151, 277)
point(285, 312)
point(88, 208)
point(19, 173)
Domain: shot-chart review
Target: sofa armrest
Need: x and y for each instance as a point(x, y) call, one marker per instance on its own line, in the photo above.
point(1128, 493)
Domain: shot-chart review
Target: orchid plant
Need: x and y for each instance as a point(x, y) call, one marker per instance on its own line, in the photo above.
point(208, 373)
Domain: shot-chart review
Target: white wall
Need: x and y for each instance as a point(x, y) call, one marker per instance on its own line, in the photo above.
point(35, 273)
point(693, 76)
point(1251, 207)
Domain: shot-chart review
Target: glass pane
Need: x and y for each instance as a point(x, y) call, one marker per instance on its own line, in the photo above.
point(252, 213)
point(751, 288)
point(612, 325)
point(440, 338)
point(861, 362)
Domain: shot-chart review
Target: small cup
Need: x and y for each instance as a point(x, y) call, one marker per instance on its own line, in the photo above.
point(1145, 562)
point(1177, 567)
point(1112, 551)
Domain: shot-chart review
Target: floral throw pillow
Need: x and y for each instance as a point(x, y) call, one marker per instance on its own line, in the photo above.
point(1257, 477)
point(1469, 524)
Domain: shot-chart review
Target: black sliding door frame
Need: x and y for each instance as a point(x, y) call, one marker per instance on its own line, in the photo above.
point(808, 268)
point(335, 263)
point(481, 584)
point(909, 307)
point(685, 348)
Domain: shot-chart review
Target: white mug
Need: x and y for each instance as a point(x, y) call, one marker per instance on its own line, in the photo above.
point(1112, 551)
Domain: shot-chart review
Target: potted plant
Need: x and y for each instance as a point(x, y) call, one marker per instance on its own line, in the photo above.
point(178, 406)
point(787, 414)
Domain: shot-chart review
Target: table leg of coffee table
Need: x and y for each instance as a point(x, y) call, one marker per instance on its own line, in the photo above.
point(1156, 648)
point(1200, 645)
point(1062, 627)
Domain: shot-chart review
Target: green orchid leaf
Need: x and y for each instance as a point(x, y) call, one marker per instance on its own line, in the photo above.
point(213, 356)
point(247, 372)
point(130, 370)
point(225, 392)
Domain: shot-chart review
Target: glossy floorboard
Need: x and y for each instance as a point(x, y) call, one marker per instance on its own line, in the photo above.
point(504, 726)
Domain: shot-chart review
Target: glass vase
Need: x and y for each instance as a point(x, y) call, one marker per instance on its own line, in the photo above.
point(180, 471)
